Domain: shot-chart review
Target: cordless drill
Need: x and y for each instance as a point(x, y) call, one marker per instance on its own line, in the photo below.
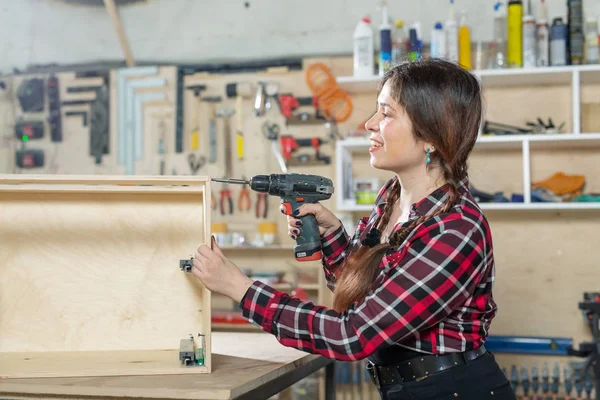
point(295, 190)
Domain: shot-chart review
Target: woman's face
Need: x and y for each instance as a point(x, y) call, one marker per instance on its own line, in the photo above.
point(393, 146)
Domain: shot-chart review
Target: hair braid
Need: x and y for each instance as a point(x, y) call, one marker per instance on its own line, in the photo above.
point(393, 197)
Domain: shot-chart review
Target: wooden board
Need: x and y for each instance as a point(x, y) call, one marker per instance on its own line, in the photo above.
point(94, 273)
point(242, 362)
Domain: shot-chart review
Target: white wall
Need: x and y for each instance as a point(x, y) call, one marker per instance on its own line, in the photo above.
point(50, 31)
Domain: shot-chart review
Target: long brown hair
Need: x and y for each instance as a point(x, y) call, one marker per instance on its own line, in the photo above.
point(444, 104)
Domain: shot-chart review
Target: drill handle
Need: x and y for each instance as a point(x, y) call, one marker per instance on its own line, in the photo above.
point(308, 242)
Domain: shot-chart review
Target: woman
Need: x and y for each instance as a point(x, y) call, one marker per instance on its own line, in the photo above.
point(413, 287)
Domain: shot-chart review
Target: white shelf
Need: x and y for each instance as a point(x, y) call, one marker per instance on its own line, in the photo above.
point(499, 77)
point(351, 206)
point(524, 143)
point(536, 141)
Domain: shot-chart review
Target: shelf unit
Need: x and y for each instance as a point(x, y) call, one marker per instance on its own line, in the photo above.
point(575, 76)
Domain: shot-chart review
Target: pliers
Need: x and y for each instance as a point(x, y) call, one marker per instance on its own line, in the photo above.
point(226, 197)
point(262, 205)
point(244, 199)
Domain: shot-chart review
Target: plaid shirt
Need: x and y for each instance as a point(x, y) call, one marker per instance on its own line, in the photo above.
point(433, 294)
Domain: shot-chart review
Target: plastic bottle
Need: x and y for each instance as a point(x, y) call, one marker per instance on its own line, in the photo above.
point(414, 53)
point(499, 35)
point(543, 37)
point(558, 42)
point(385, 42)
point(452, 34)
point(364, 49)
point(529, 39)
point(464, 42)
point(438, 41)
point(515, 34)
point(591, 41)
point(399, 44)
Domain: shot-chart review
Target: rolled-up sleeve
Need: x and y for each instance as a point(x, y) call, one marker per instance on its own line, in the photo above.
point(418, 286)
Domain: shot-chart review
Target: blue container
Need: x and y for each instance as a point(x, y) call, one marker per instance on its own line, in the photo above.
point(559, 33)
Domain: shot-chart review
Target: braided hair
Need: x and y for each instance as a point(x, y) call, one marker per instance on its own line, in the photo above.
point(444, 104)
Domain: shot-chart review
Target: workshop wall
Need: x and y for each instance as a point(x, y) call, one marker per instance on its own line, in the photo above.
point(187, 30)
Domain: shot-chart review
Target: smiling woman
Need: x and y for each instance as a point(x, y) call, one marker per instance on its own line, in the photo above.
point(413, 287)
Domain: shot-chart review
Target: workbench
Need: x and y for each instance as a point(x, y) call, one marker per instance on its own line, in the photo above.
point(245, 366)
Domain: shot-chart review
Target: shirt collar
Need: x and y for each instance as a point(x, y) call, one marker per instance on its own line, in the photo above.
point(427, 205)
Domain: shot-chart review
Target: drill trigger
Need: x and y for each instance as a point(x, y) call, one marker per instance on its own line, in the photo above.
point(288, 208)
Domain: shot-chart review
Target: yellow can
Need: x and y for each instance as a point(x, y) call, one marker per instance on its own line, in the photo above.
point(515, 34)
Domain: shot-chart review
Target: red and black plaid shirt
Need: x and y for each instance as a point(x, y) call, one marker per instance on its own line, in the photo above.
point(433, 294)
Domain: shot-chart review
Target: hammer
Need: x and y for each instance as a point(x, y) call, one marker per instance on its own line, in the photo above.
point(239, 91)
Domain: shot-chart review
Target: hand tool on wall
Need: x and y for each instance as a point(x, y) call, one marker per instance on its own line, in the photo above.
point(535, 380)
point(29, 130)
point(212, 127)
point(295, 190)
point(225, 201)
point(98, 114)
point(195, 135)
point(271, 132)
point(54, 117)
point(525, 381)
point(31, 95)
point(226, 113)
point(289, 103)
point(262, 206)
point(29, 158)
point(568, 381)
point(496, 128)
point(289, 145)
point(244, 199)
point(554, 385)
point(239, 91)
point(196, 162)
point(545, 379)
point(260, 100)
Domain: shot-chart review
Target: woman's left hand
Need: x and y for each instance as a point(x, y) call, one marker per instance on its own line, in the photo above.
point(219, 274)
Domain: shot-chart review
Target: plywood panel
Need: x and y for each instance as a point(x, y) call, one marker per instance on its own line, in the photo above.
point(99, 271)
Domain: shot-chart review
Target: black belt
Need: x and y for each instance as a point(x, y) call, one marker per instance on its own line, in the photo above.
point(419, 368)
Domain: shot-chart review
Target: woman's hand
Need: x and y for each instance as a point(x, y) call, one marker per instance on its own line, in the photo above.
point(326, 220)
point(219, 274)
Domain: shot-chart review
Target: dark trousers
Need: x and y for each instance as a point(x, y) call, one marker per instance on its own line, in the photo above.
point(479, 379)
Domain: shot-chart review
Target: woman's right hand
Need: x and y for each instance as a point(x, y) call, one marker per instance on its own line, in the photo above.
point(326, 220)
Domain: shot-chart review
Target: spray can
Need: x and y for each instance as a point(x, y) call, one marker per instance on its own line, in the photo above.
point(543, 37)
point(591, 41)
point(529, 39)
point(364, 63)
point(575, 44)
point(515, 34)
point(452, 34)
point(558, 42)
point(385, 42)
point(438, 41)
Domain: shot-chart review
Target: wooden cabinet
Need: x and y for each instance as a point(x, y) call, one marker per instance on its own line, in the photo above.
point(90, 282)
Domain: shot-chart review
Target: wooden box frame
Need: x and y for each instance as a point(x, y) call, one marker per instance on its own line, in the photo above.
point(90, 283)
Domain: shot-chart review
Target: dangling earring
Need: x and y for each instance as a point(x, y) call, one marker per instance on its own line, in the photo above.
point(428, 159)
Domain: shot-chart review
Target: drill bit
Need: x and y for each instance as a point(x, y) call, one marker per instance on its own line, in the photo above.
point(237, 181)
